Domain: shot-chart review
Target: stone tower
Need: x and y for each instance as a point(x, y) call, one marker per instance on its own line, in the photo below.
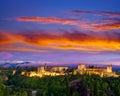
point(81, 67)
point(109, 68)
point(40, 69)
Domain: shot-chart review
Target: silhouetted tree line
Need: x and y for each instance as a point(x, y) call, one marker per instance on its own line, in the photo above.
point(68, 85)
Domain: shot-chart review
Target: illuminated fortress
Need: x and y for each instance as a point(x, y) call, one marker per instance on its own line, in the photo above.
point(100, 71)
point(59, 70)
point(48, 71)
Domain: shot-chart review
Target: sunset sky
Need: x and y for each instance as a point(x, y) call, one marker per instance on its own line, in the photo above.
point(60, 31)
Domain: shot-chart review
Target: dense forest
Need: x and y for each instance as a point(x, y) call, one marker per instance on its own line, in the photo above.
point(68, 85)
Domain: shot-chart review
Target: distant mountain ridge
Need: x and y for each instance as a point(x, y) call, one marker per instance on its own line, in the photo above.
point(28, 63)
point(14, 65)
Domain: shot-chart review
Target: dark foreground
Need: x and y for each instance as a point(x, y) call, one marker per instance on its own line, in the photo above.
point(69, 85)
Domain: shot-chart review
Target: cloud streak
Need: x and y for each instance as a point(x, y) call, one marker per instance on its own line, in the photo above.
point(20, 49)
point(98, 13)
point(65, 41)
point(81, 23)
point(48, 20)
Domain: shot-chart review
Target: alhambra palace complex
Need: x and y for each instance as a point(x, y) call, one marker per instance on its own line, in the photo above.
point(55, 71)
point(100, 71)
point(48, 71)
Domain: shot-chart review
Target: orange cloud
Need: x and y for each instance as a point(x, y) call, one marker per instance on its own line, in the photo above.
point(47, 20)
point(99, 13)
point(66, 41)
point(5, 37)
point(107, 26)
point(83, 24)
point(102, 27)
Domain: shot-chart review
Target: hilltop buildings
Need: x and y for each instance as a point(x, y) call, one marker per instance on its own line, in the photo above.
point(100, 71)
point(59, 70)
point(48, 71)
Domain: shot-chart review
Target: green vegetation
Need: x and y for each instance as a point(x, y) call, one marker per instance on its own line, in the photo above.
point(17, 85)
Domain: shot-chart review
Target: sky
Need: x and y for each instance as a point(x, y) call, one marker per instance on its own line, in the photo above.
point(60, 31)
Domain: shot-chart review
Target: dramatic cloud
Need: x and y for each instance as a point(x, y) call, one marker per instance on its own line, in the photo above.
point(99, 13)
point(64, 40)
point(101, 25)
point(5, 37)
point(47, 20)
